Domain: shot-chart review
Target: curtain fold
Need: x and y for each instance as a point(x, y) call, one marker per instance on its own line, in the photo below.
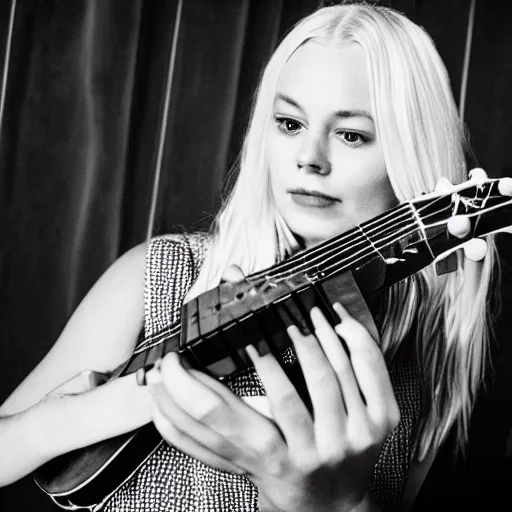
point(63, 155)
point(203, 105)
point(108, 42)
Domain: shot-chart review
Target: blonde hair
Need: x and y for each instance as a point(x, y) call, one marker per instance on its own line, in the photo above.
point(422, 139)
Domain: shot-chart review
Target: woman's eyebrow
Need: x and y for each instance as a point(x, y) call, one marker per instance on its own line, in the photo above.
point(287, 99)
point(345, 114)
point(354, 113)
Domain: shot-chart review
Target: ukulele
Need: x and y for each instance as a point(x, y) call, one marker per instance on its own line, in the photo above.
point(216, 326)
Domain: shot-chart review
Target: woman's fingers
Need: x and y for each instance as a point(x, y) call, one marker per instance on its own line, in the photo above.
point(218, 421)
point(370, 370)
point(190, 446)
point(321, 380)
point(287, 407)
point(336, 382)
point(182, 421)
point(261, 448)
point(183, 432)
point(331, 385)
point(340, 362)
point(200, 401)
point(259, 404)
point(210, 402)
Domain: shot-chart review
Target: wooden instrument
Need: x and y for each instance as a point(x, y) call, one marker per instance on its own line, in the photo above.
point(216, 327)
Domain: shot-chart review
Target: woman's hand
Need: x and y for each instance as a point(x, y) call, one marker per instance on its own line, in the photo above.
point(297, 463)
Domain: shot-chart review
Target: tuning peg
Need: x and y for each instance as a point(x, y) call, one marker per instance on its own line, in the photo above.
point(475, 249)
point(478, 175)
point(505, 186)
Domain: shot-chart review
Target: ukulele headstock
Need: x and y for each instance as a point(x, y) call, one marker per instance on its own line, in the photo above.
point(487, 204)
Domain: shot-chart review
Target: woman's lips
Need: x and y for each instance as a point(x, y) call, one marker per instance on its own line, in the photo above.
point(312, 199)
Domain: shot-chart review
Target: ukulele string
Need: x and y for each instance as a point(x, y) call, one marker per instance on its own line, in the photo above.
point(336, 251)
point(380, 244)
point(338, 243)
point(306, 262)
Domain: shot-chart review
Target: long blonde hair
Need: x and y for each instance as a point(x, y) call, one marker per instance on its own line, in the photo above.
point(423, 140)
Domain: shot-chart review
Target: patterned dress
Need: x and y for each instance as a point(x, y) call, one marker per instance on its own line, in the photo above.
point(170, 480)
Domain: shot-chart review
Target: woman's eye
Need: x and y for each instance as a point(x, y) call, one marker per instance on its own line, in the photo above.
point(353, 138)
point(287, 125)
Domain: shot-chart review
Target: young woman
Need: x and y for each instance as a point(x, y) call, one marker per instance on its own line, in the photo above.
point(353, 115)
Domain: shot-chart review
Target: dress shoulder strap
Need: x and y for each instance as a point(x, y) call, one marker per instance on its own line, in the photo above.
point(172, 265)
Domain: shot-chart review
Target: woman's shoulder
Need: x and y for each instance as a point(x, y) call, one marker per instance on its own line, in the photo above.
point(160, 255)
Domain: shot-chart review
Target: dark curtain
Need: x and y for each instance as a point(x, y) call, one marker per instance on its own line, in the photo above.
point(85, 134)
point(81, 134)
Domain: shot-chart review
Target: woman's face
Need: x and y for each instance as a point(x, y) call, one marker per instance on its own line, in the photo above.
point(326, 164)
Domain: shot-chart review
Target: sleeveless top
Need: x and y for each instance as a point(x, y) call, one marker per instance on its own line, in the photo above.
point(170, 480)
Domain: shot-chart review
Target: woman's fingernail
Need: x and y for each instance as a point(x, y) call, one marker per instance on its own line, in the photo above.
point(340, 310)
point(316, 314)
point(252, 353)
point(153, 377)
point(293, 331)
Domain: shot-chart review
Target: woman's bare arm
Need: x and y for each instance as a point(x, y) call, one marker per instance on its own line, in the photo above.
point(100, 335)
point(59, 424)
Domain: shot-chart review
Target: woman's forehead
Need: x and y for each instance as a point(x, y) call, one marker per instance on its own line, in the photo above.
point(325, 75)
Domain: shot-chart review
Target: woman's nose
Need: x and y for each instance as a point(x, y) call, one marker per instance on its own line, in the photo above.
point(313, 156)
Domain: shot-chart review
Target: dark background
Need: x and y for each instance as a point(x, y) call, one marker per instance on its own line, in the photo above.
point(80, 133)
